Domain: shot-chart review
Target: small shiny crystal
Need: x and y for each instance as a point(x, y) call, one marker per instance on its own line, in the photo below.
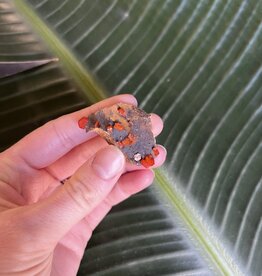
point(137, 157)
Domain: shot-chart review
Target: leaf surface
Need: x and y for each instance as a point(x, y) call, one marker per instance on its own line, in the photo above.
point(198, 65)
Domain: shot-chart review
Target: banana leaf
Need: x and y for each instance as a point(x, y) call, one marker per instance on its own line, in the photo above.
point(195, 63)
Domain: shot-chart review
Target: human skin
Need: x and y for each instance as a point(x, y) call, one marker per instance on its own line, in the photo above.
point(45, 226)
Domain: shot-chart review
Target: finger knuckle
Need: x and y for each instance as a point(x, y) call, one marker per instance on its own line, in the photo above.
point(82, 192)
point(63, 137)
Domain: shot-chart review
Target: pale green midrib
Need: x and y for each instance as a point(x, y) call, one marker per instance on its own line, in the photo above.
point(74, 68)
point(95, 93)
point(194, 226)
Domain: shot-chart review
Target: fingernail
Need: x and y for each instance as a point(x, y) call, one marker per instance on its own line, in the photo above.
point(163, 148)
point(108, 162)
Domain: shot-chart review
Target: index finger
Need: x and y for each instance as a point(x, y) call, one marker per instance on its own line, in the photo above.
point(50, 142)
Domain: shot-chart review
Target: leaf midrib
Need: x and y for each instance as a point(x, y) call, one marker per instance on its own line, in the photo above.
point(94, 92)
point(74, 68)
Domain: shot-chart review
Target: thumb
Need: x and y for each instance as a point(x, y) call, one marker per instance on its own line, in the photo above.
point(55, 216)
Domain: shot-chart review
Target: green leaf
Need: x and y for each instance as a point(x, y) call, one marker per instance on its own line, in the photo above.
point(30, 98)
point(198, 65)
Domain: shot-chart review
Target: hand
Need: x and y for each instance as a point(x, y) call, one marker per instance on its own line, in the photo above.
point(45, 225)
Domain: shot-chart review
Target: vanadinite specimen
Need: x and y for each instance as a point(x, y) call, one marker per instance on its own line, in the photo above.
point(127, 127)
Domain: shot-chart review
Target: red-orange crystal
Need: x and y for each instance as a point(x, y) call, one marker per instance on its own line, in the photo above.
point(97, 124)
point(148, 161)
point(129, 140)
point(121, 111)
point(155, 151)
point(118, 126)
point(82, 122)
